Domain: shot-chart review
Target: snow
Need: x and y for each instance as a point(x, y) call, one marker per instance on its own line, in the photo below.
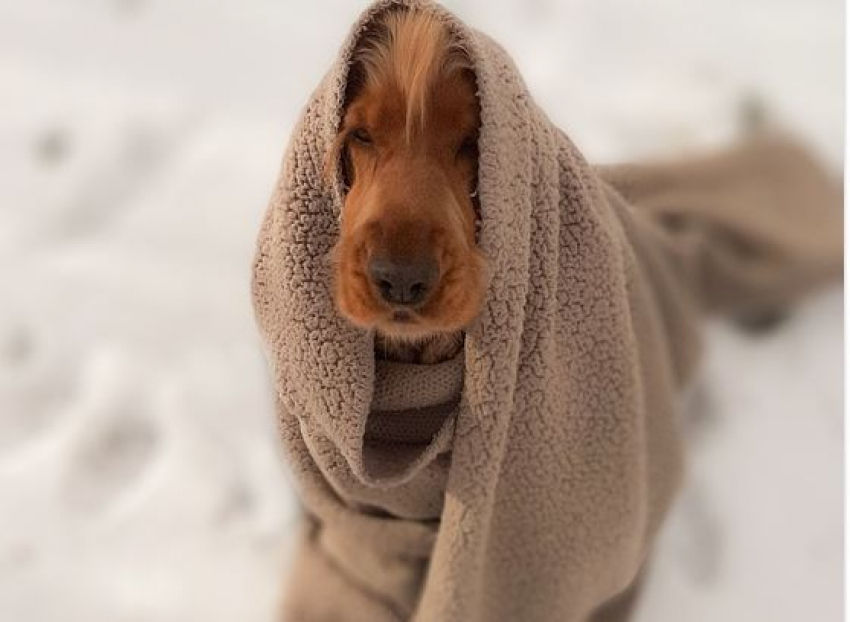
point(140, 477)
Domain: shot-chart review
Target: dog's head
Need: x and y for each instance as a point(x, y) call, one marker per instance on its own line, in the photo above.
point(407, 262)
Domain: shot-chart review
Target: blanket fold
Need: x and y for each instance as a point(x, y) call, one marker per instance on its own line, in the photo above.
point(525, 479)
point(754, 227)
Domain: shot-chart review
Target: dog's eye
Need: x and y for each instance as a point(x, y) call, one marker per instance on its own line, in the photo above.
point(468, 148)
point(361, 136)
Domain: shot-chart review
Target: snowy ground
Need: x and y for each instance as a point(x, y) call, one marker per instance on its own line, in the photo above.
point(140, 480)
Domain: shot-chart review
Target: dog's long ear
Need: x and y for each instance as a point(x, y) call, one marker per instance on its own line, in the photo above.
point(353, 87)
point(338, 159)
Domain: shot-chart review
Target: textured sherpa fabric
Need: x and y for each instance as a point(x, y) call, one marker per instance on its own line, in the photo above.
point(525, 479)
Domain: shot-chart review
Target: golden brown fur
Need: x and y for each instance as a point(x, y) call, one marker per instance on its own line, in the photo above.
point(407, 146)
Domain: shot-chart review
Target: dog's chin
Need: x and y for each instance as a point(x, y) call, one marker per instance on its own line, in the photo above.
point(402, 324)
point(405, 325)
point(398, 324)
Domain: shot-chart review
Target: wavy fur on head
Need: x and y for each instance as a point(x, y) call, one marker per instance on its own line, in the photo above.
point(413, 51)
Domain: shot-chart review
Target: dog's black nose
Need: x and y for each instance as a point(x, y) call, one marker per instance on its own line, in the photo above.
point(403, 282)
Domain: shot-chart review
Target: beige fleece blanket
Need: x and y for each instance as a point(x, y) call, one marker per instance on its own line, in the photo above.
point(525, 479)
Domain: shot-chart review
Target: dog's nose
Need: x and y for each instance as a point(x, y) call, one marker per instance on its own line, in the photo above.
point(403, 282)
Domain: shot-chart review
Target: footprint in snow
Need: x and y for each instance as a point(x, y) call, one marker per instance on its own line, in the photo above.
point(111, 458)
point(37, 385)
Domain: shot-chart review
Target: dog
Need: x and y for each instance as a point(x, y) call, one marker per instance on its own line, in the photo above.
point(407, 263)
point(553, 313)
